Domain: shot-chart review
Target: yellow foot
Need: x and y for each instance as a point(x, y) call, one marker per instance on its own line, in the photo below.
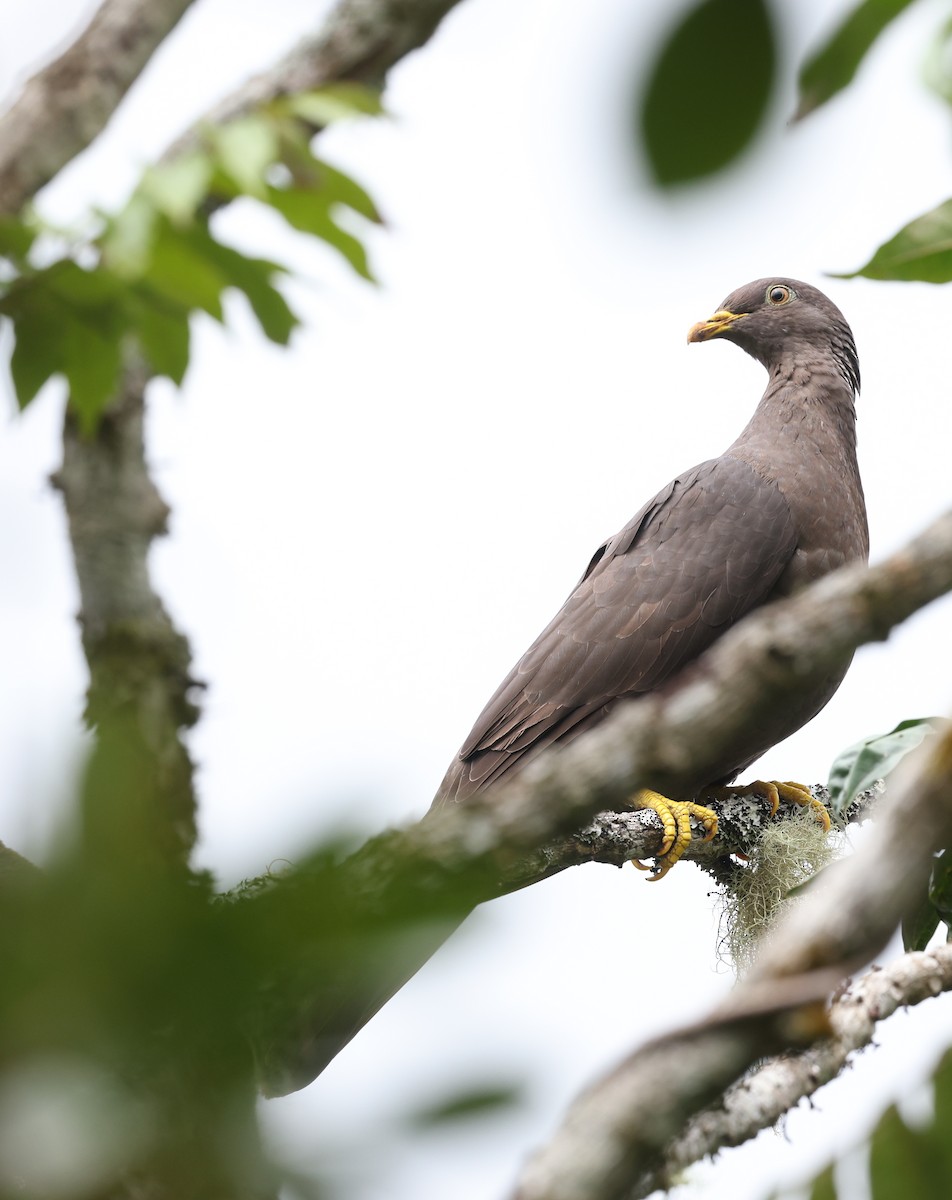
point(774, 791)
point(676, 818)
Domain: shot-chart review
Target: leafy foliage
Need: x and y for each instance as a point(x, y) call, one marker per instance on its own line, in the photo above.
point(920, 251)
point(833, 66)
point(142, 1005)
point(859, 766)
point(938, 65)
point(147, 268)
point(934, 907)
point(905, 1160)
point(709, 89)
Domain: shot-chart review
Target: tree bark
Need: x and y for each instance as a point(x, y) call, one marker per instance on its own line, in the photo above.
point(67, 104)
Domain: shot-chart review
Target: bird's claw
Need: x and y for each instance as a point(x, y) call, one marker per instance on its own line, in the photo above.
point(676, 823)
point(774, 791)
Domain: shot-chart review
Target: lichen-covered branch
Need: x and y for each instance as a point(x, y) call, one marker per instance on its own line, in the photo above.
point(619, 1132)
point(69, 102)
point(760, 1098)
point(138, 661)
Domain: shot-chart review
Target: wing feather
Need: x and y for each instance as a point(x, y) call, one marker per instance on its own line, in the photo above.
point(707, 549)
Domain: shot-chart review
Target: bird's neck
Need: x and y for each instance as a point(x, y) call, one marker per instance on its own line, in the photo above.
point(802, 438)
point(806, 405)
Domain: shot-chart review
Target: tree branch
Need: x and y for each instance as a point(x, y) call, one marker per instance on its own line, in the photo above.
point(359, 43)
point(502, 840)
point(69, 102)
point(139, 662)
point(759, 1099)
point(618, 1132)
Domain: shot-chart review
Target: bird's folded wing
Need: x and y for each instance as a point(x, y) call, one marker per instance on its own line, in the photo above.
point(708, 548)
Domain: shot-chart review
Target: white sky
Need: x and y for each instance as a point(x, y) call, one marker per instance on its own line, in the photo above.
point(448, 450)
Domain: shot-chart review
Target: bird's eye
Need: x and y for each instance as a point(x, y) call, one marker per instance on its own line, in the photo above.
point(778, 293)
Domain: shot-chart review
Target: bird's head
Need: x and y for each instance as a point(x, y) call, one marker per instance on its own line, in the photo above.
point(777, 320)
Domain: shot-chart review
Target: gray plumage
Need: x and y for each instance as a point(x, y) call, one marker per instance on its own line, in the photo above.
point(782, 506)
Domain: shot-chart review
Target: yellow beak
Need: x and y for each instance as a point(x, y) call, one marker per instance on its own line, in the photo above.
point(714, 326)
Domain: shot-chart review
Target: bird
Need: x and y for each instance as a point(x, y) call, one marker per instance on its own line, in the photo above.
point(781, 507)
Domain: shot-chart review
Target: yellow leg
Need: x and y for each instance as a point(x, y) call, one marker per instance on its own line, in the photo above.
point(676, 819)
point(774, 791)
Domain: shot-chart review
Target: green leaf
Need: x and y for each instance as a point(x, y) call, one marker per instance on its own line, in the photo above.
point(920, 251)
point(339, 188)
point(91, 363)
point(907, 1162)
point(942, 1115)
point(38, 347)
point(823, 1186)
point(709, 89)
point(934, 906)
point(129, 237)
point(937, 69)
point(253, 277)
point(181, 271)
point(860, 765)
point(16, 237)
point(94, 291)
point(919, 925)
point(940, 885)
point(833, 66)
point(178, 188)
point(245, 149)
point(68, 321)
point(471, 1102)
point(304, 211)
point(335, 102)
point(163, 332)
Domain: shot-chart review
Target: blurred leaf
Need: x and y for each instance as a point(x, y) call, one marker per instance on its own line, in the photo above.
point(462, 1105)
point(709, 89)
point(860, 765)
point(16, 237)
point(38, 340)
point(305, 212)
point(937, 69)
point(338, 188)
point(906, 1162)
point(178, 188)
point(823, 1186)
point(91, 365)
point(935, 905)
point(245, 149)
point(179, 270)
point(920, 251)
point(833, 66)
point(335, 102)
point(127, 240)
point(919, 925)
point(163, 331)
point(940, 885)
point(253, 277)
point(68, 321)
